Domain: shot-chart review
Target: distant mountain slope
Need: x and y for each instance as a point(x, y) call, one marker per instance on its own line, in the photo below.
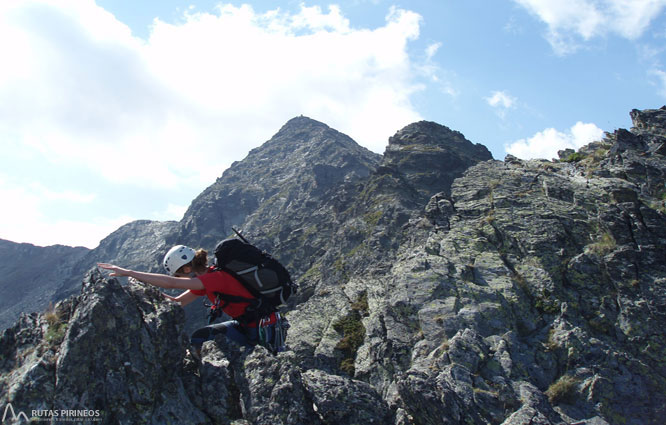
point(30, 276)
point(140, 244)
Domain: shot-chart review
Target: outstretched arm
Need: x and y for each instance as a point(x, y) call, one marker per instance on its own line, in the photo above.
point(184, 299)
point(155, 279)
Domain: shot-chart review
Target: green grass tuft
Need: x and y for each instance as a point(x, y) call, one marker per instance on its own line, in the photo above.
point(353, 333)
point(574, 157)
point(563, 390)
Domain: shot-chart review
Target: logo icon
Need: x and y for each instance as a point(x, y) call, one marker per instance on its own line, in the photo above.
point(10, 408)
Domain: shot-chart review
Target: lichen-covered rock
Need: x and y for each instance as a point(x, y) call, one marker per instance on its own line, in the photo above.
point(337, 400)
point(542, 271)
point(114, 350)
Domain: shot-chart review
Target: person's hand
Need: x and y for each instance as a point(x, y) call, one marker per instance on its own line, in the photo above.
point(169, 297)
point(115, 270)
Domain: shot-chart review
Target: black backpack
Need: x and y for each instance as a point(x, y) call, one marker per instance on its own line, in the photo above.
point(263, 276)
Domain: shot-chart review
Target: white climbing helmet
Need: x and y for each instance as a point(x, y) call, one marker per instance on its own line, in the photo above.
point(177, 257)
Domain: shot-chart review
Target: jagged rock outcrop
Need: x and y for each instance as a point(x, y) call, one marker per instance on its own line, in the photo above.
point(431, 156)
point(116, 350)
point(117, 354)
point(500, 292)
point(535, 294)
point(534, 291)
point(30, 276)
point(371, 220)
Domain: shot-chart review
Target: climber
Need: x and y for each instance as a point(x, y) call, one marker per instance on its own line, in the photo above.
point(188, 269)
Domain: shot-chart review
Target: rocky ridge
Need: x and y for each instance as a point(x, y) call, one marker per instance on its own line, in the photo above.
point(31, 276)
point(508, 292)
point(118, 352)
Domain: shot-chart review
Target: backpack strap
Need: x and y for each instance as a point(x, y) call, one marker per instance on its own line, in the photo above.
point(236, 276)
point(256, 308)
point(228, 299)
point(223, 300)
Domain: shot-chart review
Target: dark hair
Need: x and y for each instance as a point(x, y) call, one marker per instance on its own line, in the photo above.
point(199, 263)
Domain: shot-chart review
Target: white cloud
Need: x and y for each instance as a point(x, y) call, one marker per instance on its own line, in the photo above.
point(546, 143)
point(26, 217)
point(442, 79)
point(502, 102)
point(172, 212)
point(209, 88)
point(501, 99)
point(432, 49)
point(73, 196)
point(259, 70)
point(572, 22)
point(312, 18)
point(86, 233)
point(79, 92)
point(660, 76)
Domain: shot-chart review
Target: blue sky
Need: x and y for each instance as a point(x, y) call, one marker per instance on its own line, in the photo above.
point(118, 110)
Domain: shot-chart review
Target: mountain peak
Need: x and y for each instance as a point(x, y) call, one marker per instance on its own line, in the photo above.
point(303, 160)
point(432, 134)
point(305, 137)
point(421, 128)
point(301, 125)
point(302, 120)
point(431, 156)
point(300, 132)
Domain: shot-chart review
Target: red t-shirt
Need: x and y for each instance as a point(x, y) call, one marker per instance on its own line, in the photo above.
point(219, 281)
